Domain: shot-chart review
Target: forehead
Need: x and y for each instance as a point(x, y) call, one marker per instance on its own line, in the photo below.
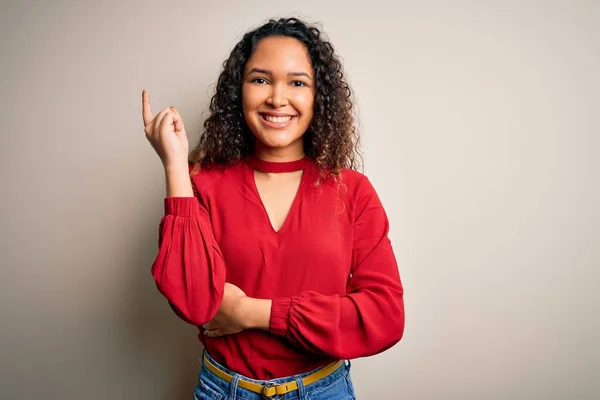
point(280, 54)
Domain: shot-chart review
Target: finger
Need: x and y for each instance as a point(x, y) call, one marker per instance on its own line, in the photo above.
point(177, 120)
point(158, 120)
point(167, 120)
point(146, 109)
point(213, 333)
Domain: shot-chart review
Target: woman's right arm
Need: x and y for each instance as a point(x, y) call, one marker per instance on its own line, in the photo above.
point(189, 269)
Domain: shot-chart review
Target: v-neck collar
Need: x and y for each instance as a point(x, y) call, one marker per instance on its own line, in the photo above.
point(303, 165)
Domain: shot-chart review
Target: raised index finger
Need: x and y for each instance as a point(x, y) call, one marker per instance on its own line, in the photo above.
point(146, 110)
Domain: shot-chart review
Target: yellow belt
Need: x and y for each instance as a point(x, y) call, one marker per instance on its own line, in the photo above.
point(282, 388)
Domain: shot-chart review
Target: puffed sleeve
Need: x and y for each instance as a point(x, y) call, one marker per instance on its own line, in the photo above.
point(189, 269)
point(369, 318)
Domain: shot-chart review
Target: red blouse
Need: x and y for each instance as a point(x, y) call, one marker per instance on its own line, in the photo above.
point(330, 270)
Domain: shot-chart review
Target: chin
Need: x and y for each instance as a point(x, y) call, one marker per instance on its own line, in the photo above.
point(279, 140)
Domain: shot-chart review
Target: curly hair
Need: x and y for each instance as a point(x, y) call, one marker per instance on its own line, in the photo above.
point(331, 140)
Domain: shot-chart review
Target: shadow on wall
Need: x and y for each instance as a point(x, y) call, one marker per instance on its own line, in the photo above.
point(165, 348)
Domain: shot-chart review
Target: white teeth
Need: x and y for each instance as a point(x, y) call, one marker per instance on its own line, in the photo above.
point(278, 120)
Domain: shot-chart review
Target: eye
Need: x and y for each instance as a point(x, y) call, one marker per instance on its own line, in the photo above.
point(299, 83)
point(260, 81)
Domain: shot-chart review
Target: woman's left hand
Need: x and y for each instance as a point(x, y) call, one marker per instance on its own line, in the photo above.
point(230, 317)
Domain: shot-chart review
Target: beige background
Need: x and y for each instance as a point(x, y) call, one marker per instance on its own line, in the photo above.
point(480, 125)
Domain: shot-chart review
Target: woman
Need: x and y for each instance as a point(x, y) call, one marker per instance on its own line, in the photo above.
point(271, 243)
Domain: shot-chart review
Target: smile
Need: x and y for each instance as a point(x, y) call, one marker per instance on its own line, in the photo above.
point(276, 121)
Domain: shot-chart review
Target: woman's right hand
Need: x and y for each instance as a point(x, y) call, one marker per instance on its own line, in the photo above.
point(166, 134)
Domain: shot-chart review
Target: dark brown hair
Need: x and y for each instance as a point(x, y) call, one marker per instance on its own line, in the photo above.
point(332, 139)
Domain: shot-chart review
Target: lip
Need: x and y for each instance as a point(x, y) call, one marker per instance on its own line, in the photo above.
point(276, 125)
point(276, 114)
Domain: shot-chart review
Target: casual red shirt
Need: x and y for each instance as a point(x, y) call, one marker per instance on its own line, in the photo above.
point(330, 270)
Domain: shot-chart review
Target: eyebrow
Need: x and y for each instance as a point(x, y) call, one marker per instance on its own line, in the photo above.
point(267, 72)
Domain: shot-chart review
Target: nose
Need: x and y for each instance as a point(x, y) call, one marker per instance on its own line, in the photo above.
point(277, 98)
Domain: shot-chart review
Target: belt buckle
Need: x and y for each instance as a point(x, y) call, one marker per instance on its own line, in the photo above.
point(266, 386)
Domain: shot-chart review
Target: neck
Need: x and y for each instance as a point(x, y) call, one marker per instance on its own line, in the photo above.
point(286, 154)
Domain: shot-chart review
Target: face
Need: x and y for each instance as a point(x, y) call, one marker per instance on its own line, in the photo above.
point(278, 92)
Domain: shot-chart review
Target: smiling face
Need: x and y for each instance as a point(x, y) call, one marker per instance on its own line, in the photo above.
point(278, 93)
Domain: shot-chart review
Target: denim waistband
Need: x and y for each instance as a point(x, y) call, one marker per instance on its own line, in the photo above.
point(225, 386)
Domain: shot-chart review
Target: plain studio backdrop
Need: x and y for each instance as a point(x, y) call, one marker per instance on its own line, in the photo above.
point(480, 123)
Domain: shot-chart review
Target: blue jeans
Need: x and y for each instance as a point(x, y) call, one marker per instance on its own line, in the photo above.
point(336, 386)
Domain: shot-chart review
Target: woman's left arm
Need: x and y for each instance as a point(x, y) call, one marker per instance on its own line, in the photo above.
point(369, 318)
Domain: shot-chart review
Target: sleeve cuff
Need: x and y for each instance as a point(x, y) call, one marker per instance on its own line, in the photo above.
point(182, 206)
point(280, 310)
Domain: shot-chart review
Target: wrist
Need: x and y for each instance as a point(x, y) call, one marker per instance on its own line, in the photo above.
point(181, 167)
point(178, 181)
point(255, 313)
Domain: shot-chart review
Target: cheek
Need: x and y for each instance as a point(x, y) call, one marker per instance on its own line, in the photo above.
point(250, 98)
point(304, 104)
point(245, 101)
